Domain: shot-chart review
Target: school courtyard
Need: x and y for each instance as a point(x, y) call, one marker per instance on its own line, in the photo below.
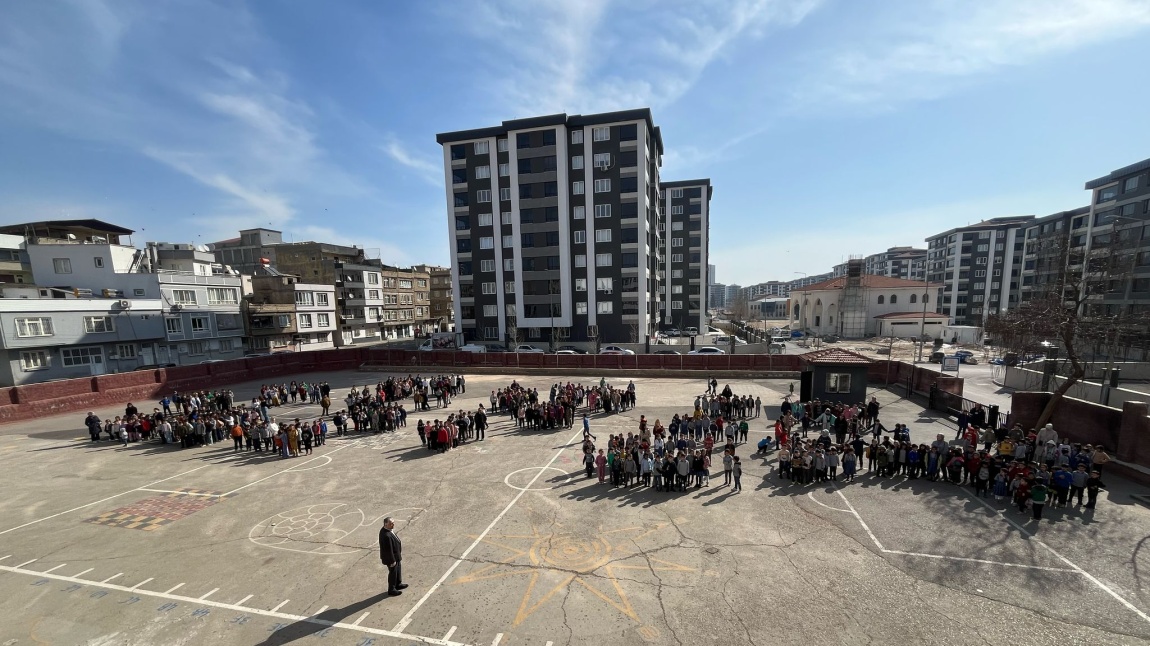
point(506, 543)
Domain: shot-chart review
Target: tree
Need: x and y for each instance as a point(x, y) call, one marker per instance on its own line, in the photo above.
point(1062, 309)
point(593, 336)
point(633, 330)
point(739, 308)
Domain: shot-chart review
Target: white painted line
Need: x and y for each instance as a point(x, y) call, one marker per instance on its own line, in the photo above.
point(241, 601)
point(320, 611)
point(498, 638)
point(411, 613)
point(811, 495)
point(364, 616)
point(860, 520)
point(450, 632)
point(84, 572)
point(209, 593)
point(242, 609)
point(971, 560)
point(55, 568)
point(282, 604)
point(118, 574)
point(141, 583)
point(282, 471)
point(182, 493)
point(1105, 588)
point(5, 557)
point(26, 563)
point(124, 493)
point(174, 588)
point(548, 643)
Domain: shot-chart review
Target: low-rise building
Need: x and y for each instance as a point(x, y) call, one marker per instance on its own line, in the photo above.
point(859, 305)
point(442, 318)
point(286, 315)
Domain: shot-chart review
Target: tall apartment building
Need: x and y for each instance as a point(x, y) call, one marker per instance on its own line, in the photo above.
point(284, 314)
point(769, 289)
point(555, 228)
point(979, 267)
point(442, 310)
point(686, 206)
point(907, 263)
point(1046, 252)
point(1118, 230)
point(712, 276)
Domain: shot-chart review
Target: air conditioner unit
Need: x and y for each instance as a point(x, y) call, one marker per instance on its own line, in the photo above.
point(125, 304)
point(177, 307)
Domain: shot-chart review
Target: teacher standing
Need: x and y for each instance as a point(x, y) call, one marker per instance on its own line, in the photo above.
point(391, 554)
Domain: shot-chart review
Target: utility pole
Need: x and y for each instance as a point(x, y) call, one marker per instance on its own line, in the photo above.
point(922, 328)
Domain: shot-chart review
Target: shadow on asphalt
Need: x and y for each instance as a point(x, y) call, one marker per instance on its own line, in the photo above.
point(307, 627)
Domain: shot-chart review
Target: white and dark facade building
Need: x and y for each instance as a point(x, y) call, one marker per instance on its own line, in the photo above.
point(555, 228)
point(979, 268)
point(686, 208)
point(285, 315)
point(1117, 230)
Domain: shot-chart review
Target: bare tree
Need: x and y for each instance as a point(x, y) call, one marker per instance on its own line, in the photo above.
point(593, 336)
point(739, 308)
point(633, 330)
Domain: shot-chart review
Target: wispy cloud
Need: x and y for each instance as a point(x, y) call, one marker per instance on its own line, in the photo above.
point(923, 50)
point(426, 168)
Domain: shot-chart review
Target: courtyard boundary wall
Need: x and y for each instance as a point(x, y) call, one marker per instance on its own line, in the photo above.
point(1125, 432)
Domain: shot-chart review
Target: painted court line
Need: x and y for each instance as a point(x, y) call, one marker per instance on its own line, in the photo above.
point(450, 632)
point(498, 638)
point(84, 572)
point(319, 612)
point(5, 557)
point(209, 593)
point(811, 495)
point(118, 574)
point(141, 583)
point(282, 604)
point(237, 608)
point(55, 568)
point(973, 560)
point(241, 601)
point(26, 563)
point(364, 616)
point(411, 613)
point(283, 471)
point(183, 493)
point(174, 588)
point(123, 493)
point(1102, 586)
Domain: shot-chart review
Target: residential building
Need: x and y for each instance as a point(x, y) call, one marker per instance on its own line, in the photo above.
point(1118, 230)
point(859, 305)
point(285, 315)
point(686, 207)
point(771, 308)
point(716, 296)
point(315, 262)
point(360, 298)
point(47, 335)
point(979, 267)
point(896, 262)
point(771, 288)
point(712, 277)
point(1046, 252)
point(407, 303)
point(555, 228)
point(809, 280)
point(442, 317)
point(14, 266)
point(247, 253)
point(200, 299)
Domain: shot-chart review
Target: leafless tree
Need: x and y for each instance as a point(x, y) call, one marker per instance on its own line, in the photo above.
point(633, 330)
point(593, 336)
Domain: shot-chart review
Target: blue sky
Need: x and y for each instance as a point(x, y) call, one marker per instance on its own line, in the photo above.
point(828, 127)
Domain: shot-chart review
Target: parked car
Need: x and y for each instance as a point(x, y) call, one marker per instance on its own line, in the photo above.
point(666, 352)
point(671, 333)
point(967, 357)
point(526, 348)
point(570, 352)
point(710, 349)
point(721, 340)
point(691, 331)
point(473, 347)
point(573, 350)
point(937, 357)
point(831, 338)
point(614, 349)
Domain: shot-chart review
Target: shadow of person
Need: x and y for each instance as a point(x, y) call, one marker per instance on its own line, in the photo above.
point(318, 623)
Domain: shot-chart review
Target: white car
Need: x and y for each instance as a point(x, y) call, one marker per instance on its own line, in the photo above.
point(525, 348)
point(672, 333)
point(710, 349)
point(614, 349)
point(473, 347)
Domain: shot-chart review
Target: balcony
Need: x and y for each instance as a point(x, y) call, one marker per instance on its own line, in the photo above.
point(188, 278)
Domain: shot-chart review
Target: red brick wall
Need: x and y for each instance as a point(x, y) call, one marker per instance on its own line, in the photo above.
point(1081, 421)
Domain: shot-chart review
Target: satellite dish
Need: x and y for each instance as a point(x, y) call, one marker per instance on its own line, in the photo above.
point(202, 248)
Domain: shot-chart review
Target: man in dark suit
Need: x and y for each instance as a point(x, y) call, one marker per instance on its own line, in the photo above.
point(391, 554)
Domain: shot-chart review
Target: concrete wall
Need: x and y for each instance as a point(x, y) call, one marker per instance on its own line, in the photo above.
point(1025, 379)
point(1124, 432)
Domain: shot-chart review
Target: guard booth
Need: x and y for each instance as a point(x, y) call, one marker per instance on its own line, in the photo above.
point(834, 375)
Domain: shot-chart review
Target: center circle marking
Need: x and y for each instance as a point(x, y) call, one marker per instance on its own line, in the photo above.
point(507, 480)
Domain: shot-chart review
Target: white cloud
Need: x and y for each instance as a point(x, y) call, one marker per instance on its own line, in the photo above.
point(923, 50)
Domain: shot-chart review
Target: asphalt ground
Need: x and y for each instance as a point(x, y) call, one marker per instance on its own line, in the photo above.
point(506, 542)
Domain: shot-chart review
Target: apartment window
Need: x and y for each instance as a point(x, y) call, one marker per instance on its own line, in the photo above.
point(508, 242)
point(602, 159)
point(605, 307)
point(629, 259)
point(580, 213)
point(1000, 246)
point(676, 242)
point(323, 319)
point(602, 186)
point(601, 134)
point(678, 289)
point(484, 219)
point(30, 327)
point(983, 235)
point(838, 382)
point(676, 305)
point(580, 284)
point(200, 324)
point(98, 324)
point(487, 265)
point(174, 326)
point(998, 272)
point(504, 169)
point(491, 310)
point(184, 296)
point(580, 237)
point(602, 260)
point(983, 247)
point(602, 210)
point(82, 356)
point(577, 188)
point(481, 148)
point(373, 294)
point(197, 347)
point(487, 242)
point(980, 261)
point(482, 172)
point(321, 298)
point(505, 194)
point(305, 298)
point(62, 265)
point(580, 308)
point(222, 296)
point(508, 287)
point(38, 360)
point(604, 284)
point(602, 235)
point(577, 162)
point(676, 273)
point(508, 265)
point(580, 260)
point(505, 217)
point(126, 351)
point(676, 257)
point(979, 273)
point(304, 320)
point(483, 196)
point(676, 210)
point(488, 288)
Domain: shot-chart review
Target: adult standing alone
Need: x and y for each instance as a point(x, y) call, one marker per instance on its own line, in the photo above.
point(391, 554)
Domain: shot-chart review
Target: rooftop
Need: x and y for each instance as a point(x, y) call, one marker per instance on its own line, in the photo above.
point(835, 356)
point(572, 121)
point(870, 281)
point(912, 315)
point(1118, 174)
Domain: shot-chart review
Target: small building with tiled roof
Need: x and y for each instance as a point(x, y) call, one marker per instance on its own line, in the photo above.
point(850, 306)
point(834, 374)
point(911, 325)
